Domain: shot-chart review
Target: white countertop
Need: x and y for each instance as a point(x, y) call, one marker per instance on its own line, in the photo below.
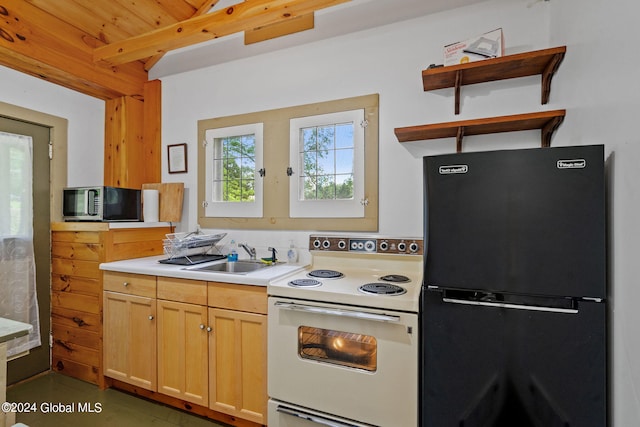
point(10, 329)
point(151, 266)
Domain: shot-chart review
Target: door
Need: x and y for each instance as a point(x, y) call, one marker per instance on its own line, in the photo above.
point(526, 366)
point(182, 351)
point(38, 359)
point(129, 334)
point(238, 364)
point(523, 221)
point(338, 359)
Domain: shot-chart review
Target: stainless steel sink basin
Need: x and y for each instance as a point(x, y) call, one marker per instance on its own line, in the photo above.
point(238, 267)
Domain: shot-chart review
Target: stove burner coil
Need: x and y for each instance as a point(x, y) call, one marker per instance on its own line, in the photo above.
point(325, 274)
point(304, 283)
point(395, 278)
point(382, 289)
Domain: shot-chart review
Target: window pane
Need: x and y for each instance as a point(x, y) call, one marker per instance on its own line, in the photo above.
point(344, 161)
point(234, 172)
point(344, 135)
point(308, 139)
point(248, 168)
point(309, 161)
point(308, 188)
point(344, 186)
point(328, 151)
point(326, 137)
point(326, 187)
point(326, 162)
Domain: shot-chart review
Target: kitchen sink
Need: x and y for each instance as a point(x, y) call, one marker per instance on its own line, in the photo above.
point(237, 267)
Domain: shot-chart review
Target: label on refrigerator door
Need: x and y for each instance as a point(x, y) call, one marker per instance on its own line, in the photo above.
point(453, 169)
point(572, 164)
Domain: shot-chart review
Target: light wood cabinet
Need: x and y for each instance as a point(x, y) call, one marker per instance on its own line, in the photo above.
point(238, 364)
point(182, 340)
point(209, 348)
point(130, 339)
point(238, 350)
point(77, 250)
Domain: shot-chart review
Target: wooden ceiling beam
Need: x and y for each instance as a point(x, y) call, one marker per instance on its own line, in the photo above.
point(243, 16)
point(36, 43)
point(290, 26)
point(206, 6)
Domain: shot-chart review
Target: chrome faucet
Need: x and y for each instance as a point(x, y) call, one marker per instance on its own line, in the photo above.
point(250, 250)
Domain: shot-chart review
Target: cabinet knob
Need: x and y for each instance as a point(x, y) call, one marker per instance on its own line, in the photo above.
point(201, 326)
point(125, 284)
point(209, 329)
point(150, 317)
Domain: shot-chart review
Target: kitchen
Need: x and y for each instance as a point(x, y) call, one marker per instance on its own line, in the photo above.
point(387, 60)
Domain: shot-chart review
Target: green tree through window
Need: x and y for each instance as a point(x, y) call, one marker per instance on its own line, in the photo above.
point(238, 168)
point(328, 161)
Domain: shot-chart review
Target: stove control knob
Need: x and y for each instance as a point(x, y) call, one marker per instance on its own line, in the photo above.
point(402, 246)
point(384, 245)
point(413, 247)
point(316, 244)
point(326, 244)
point(342, 244)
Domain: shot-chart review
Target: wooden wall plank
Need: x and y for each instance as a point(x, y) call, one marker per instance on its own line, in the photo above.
point(151, 132)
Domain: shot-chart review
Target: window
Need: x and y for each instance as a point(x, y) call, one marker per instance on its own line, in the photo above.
point(233, 162)
point(325, 177)
point(328, 153)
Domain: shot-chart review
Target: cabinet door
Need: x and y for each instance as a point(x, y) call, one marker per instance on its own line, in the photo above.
point(182, 351)
point(129, 336)
point(238, 364)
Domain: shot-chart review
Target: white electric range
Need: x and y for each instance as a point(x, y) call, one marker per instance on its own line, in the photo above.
point(343, 335)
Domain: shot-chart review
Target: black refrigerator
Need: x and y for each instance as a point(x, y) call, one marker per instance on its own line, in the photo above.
point(513, 307)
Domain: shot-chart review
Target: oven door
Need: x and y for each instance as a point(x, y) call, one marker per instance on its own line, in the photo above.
point(352, 362)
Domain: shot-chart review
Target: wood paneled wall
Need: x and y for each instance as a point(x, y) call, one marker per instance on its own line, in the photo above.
point(132, 139)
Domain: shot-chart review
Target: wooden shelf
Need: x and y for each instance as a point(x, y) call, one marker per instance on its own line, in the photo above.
point(544, 62)
point(546, 121)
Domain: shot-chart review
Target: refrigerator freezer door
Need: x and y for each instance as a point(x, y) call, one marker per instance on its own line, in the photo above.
point(489, 366)
point(521, 221)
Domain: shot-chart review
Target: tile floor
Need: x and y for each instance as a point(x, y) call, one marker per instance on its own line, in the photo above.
point(117, 408)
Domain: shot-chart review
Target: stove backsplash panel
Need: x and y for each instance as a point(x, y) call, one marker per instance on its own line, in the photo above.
point(380, 245)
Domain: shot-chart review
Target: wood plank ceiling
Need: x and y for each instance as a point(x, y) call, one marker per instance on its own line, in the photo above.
point(104, 48)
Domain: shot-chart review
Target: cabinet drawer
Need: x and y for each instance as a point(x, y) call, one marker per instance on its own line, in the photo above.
point(127, 283)
point(182, 290)
point(238, 297)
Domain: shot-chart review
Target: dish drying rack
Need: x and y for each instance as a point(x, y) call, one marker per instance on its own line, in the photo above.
point(191, 248)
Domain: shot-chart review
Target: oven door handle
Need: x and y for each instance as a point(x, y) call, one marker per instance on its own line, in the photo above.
point(312, 417)
point(338, 312)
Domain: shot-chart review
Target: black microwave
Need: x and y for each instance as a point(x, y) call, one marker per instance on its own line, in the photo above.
point(101, 204)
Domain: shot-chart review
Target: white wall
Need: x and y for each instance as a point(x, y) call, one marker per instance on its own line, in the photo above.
point(598, 84)
point(387, 60)
point(85, 116)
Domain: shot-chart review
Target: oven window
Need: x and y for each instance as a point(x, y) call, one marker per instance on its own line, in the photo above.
point(339, 348)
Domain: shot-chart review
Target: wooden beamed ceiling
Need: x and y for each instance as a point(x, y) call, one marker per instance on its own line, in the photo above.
point(105, 48)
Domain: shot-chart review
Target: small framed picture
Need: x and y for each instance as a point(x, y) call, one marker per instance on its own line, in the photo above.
point(177, 155)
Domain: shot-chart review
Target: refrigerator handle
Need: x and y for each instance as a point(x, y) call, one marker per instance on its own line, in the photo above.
point(511, 306)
